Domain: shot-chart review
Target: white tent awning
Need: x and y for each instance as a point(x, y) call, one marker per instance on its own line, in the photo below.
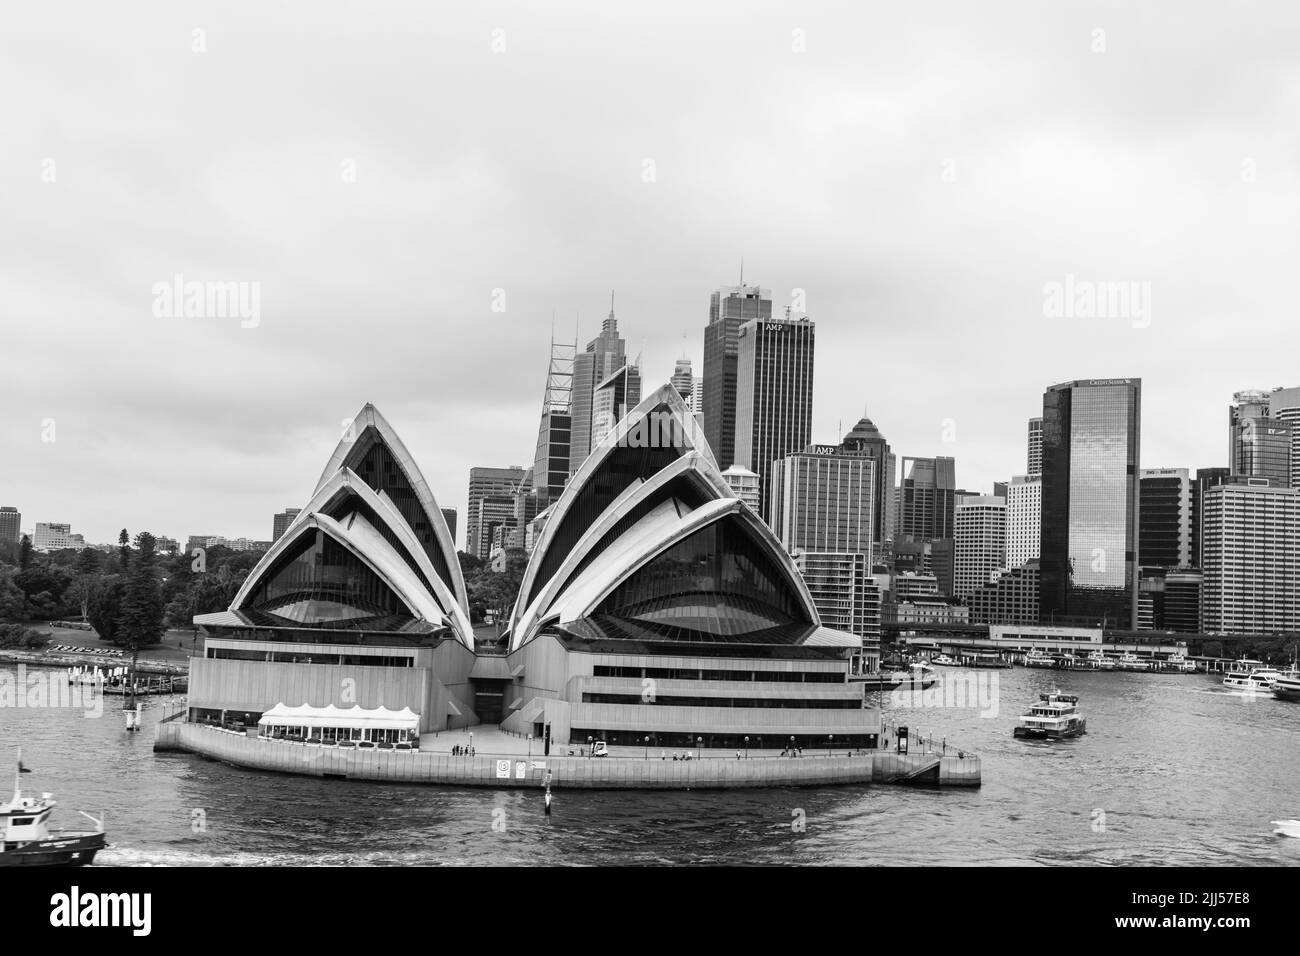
point(304, 715)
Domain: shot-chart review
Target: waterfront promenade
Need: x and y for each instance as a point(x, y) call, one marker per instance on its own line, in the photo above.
point(502, 760)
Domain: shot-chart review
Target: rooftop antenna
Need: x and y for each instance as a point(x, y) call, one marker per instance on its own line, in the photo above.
point(742, 272)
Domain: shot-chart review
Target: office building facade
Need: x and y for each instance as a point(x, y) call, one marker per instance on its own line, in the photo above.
point(1165, 518)
point(496, 487)
point(614, 397)
point(980, 542)
point(1284, 406)
point(1089, 530)
point(866, 439)
point(1011, 599)
point(1024, 513)
point(1259, 445)
point(1034, 459)
point(927, 493)
point(774, 390)
point(604, 355)
point(11, 520)
point(744, 483)
point(730, 307)
point(823, 500)
point(282, 521)
point(55, 536)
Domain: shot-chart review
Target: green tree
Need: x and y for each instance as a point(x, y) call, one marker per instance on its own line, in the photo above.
point(13, 602)
point(140, 622)
point(105, 609)
point(25, 553)
point(124, 550)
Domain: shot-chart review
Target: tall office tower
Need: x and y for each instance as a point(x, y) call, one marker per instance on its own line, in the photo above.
point(823, 499)
point(1034, 465)
point(497, 484)
point(449, 516)
point(53, 536)
point(1164, 518)
point(1284, 405)
point(774, 391)
point(730, 307)
point(1011, 599)
point(866, 439)
point(926, 497)
point(744, 483)
point(551, 460)
point(1151, 599)
point(496, 516)
point(980, 542)
point(684, 381)
point(1183, 600)
point(841, 586)
point(280, 523)
point(1024, 510)
point(1252, 558)
point(605, 354)
point(614, 398)
point(1205, 478)
point(527, 503)
point(10, 519)
point(1259, 446)
point(1088, 551)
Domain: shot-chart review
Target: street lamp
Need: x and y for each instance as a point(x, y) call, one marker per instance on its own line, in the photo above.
point(699, 748)
point(792, 745)
point(746, 747)
point(830, 742)
point(647, 747)
point(471, 741)
point(530, 746)
point(588, 746)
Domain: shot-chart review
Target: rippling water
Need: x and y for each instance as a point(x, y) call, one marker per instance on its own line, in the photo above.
point(1184, 772)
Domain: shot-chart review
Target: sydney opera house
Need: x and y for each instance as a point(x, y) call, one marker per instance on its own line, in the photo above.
point(656, 609)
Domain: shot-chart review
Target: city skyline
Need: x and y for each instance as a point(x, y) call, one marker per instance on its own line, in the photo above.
point(402, 234)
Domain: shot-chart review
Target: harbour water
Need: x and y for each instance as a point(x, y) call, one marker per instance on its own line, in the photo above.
point(1173, 771)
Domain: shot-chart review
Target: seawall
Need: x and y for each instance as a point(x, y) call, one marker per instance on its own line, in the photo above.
point(486, 770)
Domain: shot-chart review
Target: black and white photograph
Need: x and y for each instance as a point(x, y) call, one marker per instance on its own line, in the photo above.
point(801, 436)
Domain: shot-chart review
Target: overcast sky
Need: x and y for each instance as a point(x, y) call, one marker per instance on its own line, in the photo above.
point(923, 172)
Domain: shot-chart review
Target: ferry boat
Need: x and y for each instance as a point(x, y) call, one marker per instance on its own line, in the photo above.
point(1098, 661)
point(943, 660)
point(1037, 658)
point(27, 840)
point(1178, 661)
point(1251, 676)
point(1287, 686)
point(1054, 717)
point(1128, 661)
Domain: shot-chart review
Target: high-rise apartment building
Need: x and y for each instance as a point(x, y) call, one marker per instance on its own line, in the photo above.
point(1088, 534)
point(1251, 552)
point(604, 355)
point(1259, 445)
point(280, 523)
point(53, 536)
point(774, 390)
point(496, 487)
point(926, 498)
point(1024, 511)
point(842, 589)
point(1164, 518)
point(1034, 464)
point(730, 307)
point(823, 499)
point(10, 521)
point(979, 541)
point(744, 483)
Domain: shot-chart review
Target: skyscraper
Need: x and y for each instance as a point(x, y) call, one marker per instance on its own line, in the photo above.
point(730, 307)
point(280, 523)
point(1024, 512)
point(1259, 445)
point(1252, 558)
point(496, 487)
point(1205, 478)
point(605, 354)
point(552, 459)
point(774, 390)
point(823, 499)
point(926, 498)
point(1034, 464)
point(614, 397)
point(1165, 518)
point(1284, 406)
point(866, 438)
point(979, 542)
point(10, 519)
point(684, 381)
point(1088, 556)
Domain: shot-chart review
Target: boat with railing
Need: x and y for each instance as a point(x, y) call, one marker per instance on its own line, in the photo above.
point(1054, 717)
point(1128, 661)
point(27, 840)
point(1098, 661)
point(1037, 658)
point(1251, 677)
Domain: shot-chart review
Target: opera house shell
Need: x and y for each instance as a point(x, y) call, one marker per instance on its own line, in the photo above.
point(364, 581)
point(656, 609)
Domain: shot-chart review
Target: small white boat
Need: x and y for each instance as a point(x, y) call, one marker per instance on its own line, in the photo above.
point(1054, 717)
point(1251, 677)
point(1289, 828)
point(1128, 661)
point(1098, 661)
point(1178, 662)
point(1037, 658)
point(943, 660)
